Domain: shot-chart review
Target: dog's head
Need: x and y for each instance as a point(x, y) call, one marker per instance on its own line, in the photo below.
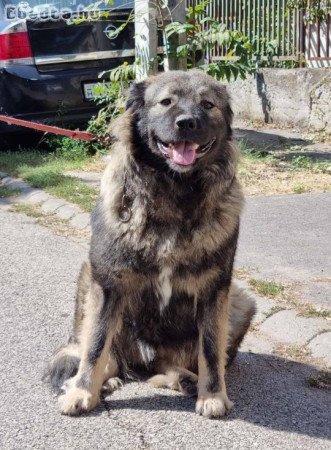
point(182, 118)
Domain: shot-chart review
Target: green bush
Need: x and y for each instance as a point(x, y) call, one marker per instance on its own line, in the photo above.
point(67, 148)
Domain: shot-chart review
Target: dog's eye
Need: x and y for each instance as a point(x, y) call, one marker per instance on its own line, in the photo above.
point(165, 102)
point(207, 105)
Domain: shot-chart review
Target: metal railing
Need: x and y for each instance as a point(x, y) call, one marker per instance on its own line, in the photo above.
point(318, 41)
point(263, 21)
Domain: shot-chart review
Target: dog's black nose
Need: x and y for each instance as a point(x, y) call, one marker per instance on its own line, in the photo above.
point(185, 122)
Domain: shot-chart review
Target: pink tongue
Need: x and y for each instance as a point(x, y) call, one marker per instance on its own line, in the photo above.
point(184, 153)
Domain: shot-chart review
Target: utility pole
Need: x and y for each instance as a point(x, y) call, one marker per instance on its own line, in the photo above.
point(147, 13)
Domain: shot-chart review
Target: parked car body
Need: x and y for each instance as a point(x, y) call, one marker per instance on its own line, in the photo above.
point(48, 67)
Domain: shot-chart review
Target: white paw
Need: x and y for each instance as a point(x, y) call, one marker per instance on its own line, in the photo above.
point(76, 401)
point(213, 405)
point(111, 385)
point(69, 384)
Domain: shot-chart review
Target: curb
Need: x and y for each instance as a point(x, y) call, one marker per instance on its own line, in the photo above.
point(273, 328)
point(76, 217)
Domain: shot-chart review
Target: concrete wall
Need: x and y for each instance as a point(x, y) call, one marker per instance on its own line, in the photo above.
point(291, 97)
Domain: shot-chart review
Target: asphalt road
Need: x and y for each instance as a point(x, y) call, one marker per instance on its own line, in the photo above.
point(274, 408)
point(287, 238)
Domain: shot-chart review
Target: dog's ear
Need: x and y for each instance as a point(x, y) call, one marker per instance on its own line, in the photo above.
point(136, 96)
point(225, 104)
point(228, 116)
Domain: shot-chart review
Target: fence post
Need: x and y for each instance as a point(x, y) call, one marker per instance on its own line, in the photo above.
point(145, 37)
point(302, 38)
point(174, 11)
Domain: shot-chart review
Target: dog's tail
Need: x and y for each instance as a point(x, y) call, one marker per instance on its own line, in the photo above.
point(242, 310)
point(63, 365)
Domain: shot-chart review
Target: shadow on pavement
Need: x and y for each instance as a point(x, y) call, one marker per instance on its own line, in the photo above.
point(323, 156)
point(285, 147)
point(270, 140)
point(6, 201)
point(268, 391)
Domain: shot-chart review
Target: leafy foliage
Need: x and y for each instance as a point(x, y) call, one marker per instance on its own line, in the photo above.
point(203, 33)
point(315, 10)
point(110, 94)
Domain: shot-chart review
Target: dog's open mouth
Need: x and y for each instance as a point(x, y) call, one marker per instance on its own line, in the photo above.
point(184, 153)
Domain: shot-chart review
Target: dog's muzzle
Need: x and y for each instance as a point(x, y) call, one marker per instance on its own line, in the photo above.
point(205, 149)
point(184, 153)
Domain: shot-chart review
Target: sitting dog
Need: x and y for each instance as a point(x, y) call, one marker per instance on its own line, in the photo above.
point(155, 300)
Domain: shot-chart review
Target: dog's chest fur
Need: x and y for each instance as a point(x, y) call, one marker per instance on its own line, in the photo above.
point(174, 238)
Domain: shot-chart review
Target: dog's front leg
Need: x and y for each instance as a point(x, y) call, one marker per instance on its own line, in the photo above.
point(82, 392)
point(213, 334)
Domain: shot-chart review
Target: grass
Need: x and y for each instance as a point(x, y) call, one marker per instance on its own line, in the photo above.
point(260, 171)
point(7, 192)
point(311, 311)
point(59, 226)
point(309, 163)
point(242, 272)
point(46, 171)
point(275, 309)
point(295, 352)
point(29, 210)
point(300, 188)
point(263, 172)
point(286, 294)
point(321, 381)
point(252, 152)
point(288, 297)
point(266, 288)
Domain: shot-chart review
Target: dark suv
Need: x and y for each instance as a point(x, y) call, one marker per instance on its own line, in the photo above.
point(50, 58)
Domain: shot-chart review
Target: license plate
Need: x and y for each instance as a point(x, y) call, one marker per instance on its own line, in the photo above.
point(92, 90)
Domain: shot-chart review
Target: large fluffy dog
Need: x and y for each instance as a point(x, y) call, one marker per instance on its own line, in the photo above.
point(156, 296)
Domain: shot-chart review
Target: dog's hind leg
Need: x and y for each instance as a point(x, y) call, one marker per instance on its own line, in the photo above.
point(178, 379)
point(111, 381)
point(100, 323)
point(241, 312)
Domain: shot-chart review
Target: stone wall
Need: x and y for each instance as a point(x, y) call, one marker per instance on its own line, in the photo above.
point(287, 97)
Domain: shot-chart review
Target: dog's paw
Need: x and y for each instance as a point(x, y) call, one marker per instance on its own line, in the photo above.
point(76, 401)
point(213, 405)
point(69, 384)
point(164, 381)
point(188, 386)
point(111, 385)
